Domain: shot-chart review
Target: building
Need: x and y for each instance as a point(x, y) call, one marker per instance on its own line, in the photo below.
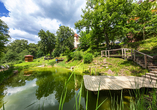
point(28, 58)
point(76, 40)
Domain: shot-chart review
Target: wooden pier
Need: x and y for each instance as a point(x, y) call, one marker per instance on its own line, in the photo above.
point(92, 83)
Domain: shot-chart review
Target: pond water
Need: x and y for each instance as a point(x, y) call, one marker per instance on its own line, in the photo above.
point(42, 90)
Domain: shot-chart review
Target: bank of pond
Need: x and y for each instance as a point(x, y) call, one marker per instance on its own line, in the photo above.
point(58, 88)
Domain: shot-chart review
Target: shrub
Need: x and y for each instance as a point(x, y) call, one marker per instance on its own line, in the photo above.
point(78, 55)
point(70, 56)
point(96, 54)
point(88, 58)
point(20, 61)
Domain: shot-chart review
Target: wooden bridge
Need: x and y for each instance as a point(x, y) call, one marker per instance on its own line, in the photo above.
point(93, 83)
point(142, 59)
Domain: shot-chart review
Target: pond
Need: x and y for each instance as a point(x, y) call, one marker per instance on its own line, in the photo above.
point(42, 88)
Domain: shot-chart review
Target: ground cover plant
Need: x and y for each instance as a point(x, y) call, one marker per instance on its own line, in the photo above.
point(118, 66)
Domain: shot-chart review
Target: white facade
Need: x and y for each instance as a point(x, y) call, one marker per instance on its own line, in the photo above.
point(76, 41)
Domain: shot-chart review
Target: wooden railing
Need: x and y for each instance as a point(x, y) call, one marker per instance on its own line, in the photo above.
point(140, 58)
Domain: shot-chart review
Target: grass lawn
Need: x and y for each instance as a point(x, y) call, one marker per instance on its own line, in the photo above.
point(113, 67)
point(148, 46)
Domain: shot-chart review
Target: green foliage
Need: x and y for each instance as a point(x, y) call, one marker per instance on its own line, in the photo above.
point(70, 56)
point(78, 55)
point(11, 56)
point(85, 40)
point(47, 43)
point(33, 49)
point(18, 45)
point(67, 51)
point(64, 40)
point(48, 55)
point(96, 54)
point(4, 36)
point(88, 58)
point(6, 74)
point(22, 54)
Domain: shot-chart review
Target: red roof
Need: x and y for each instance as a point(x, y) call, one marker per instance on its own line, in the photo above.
point(76, 35)
point(28, 55)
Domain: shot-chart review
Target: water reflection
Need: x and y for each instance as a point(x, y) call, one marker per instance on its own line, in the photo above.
point(42, 89)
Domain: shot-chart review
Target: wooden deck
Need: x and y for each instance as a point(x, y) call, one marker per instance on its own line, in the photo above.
point(116, 82)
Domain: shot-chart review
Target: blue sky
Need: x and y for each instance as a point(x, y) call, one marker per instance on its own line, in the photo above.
point(25, 18)
point(3, 10)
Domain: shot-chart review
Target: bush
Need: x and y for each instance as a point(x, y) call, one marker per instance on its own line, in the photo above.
point(70, 56)
point(96, 54)
point(78, 55)
point(20, 61)
point(88, 58)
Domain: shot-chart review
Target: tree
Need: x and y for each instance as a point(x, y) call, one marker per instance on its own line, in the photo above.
point(22, 54)
point(105, 18)
point(33, 49)
point(47, 41)
point(144, 14)
point(4, 36)
point(11, 56)
point(85, 40)
point(65, 38)
point(18, 45)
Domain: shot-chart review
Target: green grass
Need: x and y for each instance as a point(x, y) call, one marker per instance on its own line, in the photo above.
point(148, 46)
point(118, 66)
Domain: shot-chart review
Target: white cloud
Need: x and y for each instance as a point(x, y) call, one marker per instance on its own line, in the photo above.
point(27, 17)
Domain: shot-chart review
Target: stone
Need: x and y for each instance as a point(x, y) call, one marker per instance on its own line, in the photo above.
point(109, 71)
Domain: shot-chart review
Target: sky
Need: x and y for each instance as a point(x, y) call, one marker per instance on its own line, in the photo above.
point(25, 18)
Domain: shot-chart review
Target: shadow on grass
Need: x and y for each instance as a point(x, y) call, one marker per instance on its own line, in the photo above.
point(135, 71)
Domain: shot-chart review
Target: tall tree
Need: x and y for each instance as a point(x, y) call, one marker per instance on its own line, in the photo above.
point(18, 45)
point(144, 14)
point(65, 38)
point(33, 48)
point(4, 36)
point(104, 18)
point(47, 41)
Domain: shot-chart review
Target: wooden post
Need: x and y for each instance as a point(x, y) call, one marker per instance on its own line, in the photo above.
point(95, 70)
point(108, 53)
point(101, 53)
point(145, 60)
point(122, 52)
point(134, 56)
point(131, 54)
point(90, 70)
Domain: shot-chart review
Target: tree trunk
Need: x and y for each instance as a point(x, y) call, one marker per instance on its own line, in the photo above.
point(107, 39)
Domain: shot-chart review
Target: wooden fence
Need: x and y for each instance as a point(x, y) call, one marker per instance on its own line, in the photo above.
point(140, 58)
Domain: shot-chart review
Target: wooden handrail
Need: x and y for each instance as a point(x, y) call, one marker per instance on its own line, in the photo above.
point(144, 54)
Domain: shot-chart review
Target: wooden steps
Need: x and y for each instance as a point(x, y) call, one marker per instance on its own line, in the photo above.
point(152, 73)
point(150, 77)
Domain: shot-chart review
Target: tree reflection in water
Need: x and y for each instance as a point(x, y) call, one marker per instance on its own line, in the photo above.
point(55, 82)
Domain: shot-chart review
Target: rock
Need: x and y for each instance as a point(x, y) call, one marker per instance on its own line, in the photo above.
point(15, 71)
point(109, 72)
point(155, 57)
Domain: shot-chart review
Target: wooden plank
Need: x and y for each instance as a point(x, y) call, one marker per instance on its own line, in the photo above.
point(134, 55)
point(122, 52)
point(116, 82)
point(131, 54)
point(144, 54)
point(145, 60)
point(108, 53)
